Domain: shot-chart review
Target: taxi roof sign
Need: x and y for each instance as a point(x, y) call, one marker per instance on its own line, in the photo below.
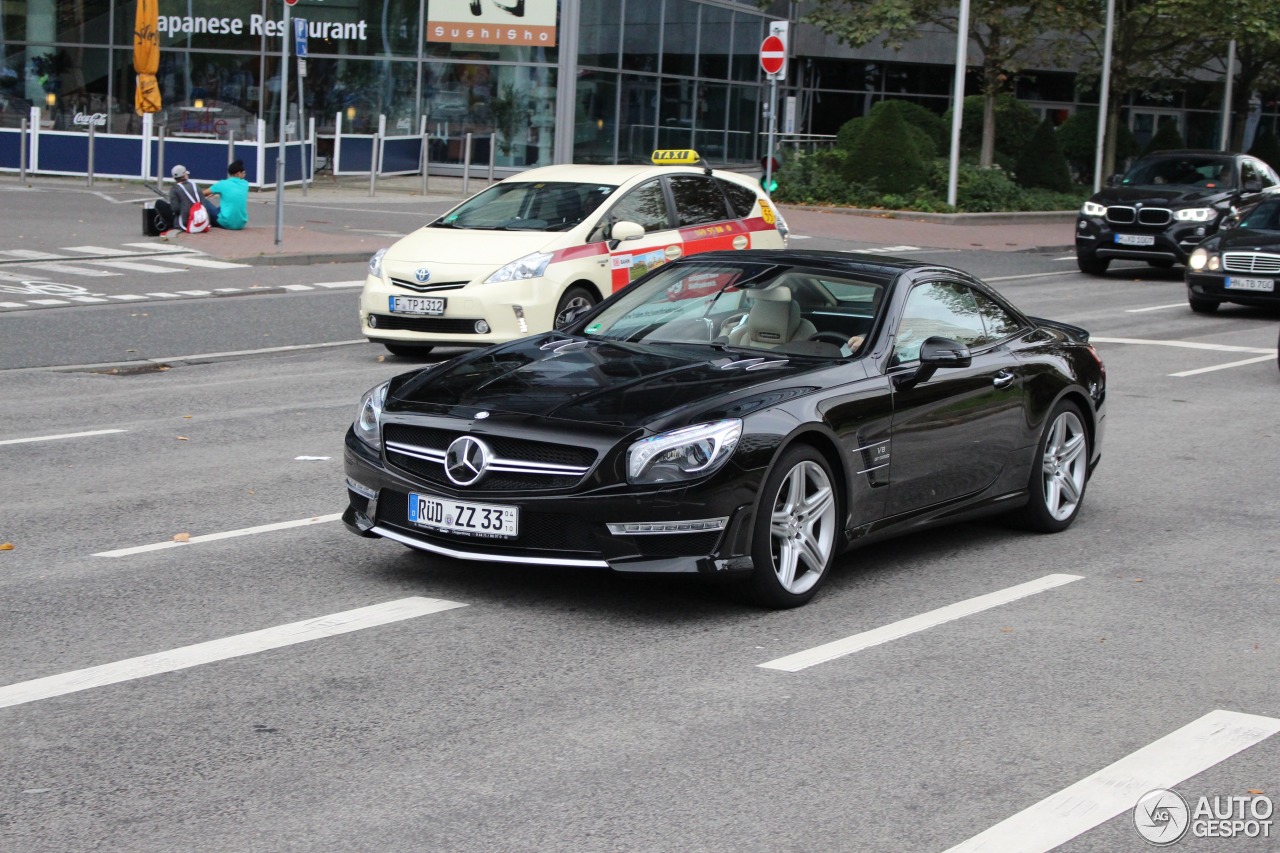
point(675, 157)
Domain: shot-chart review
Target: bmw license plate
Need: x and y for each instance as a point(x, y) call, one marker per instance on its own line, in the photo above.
point(1265, 285)
point(485, 520)
point(417, 304)
point(1136, 239)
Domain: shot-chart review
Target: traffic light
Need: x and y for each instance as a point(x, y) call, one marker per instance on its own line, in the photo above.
point(769, 180)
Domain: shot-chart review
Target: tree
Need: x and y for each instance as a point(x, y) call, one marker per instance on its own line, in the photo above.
point(1078, 138)
point(1015, 122)
point(1166, 138)
point(883, 156)
point(1042, 164)
point(1007, 36)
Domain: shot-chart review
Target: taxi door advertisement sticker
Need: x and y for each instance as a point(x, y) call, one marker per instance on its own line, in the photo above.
point(627, 268)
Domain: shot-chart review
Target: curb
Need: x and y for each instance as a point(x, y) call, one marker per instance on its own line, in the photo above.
point(306, 259)
point(1031, 217)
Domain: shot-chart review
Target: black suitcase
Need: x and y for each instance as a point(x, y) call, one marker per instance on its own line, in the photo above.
point(152, 220)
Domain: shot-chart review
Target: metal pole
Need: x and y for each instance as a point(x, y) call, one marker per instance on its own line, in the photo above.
point(1227, 95)
point(957, 102)
point(773, 121)
point(160, 157)
point(426, 151)
point(231, 146)
point(284, 115)
point(493, 148)
point(302, 131)
point(1104, 93)
point(91, 133)
point(22, 152)
point(466, 163)
point(373, 166)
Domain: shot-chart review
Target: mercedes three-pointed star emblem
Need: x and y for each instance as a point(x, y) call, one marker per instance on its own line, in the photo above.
point(466, 460)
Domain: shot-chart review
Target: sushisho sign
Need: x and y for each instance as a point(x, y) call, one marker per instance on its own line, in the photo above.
point(518, 22)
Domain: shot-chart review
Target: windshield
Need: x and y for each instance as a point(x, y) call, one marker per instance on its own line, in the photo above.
point(1264, 217)
point(748, 305)
point(541, 206)
point(1204, 171)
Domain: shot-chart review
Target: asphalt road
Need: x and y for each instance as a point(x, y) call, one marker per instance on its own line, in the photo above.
point(558, 710)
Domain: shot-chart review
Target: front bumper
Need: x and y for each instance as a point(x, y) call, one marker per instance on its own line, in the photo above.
point(1173, 242)
point(568, 529)
point(1213, 285)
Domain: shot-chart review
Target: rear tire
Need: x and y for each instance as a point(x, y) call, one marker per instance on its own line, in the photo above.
point(1059, 472)
point(796, 529)
point(571, 302)
point(1090, 263)
point(407, 350)
point(1203, 306)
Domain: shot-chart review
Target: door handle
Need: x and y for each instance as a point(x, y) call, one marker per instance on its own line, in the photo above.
point(1002, 378)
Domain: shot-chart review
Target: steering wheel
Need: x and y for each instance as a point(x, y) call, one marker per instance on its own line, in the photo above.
point(831, 338)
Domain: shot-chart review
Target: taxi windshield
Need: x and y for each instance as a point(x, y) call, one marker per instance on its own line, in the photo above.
point(540, 206)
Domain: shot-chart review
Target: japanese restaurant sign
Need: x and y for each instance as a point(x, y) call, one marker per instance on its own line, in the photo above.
point(529, 23)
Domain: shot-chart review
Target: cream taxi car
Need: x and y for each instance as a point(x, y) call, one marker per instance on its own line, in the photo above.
point(529, 253)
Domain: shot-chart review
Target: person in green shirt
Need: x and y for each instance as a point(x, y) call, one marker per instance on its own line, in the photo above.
point(233, 198)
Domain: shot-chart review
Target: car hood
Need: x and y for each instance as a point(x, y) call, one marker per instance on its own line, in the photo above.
point(605, 382)
point(1164, 197)
point(469, 247)
point(1246, 239)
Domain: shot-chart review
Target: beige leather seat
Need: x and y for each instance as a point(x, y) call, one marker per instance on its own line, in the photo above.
point(774, 320)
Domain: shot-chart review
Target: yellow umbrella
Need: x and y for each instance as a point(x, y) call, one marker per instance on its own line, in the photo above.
point(146, 55)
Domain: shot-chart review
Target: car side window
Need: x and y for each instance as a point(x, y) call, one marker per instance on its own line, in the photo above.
point(939, 308)
point(646, 205)
point(741, 199)
point(698, 200)
point(999, 323)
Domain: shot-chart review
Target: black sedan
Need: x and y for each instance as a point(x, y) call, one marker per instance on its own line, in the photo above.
point(746, 415)
point(1241, 264)
point(1165, 205)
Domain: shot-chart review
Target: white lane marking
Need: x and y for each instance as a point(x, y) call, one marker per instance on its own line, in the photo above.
point(134, 266)
point(1033, 275)
point(126, 296)
point(64, 435)
point(48, 302)
point(798, 237)
point(33, 255)
point(159, 247)
point(13, 305)
point(296, 287)
point(194, 293)
point(207, 356)
point(1066, 258)
point(226, 534)
point(196, 261)
point(96, 250)
point(897, 630)
point(1155, 308)
point(71, 269)
point(1183, 344)
point(228, 290)
point(359, 283)
point(1115, 789)
point(80, 298)
point(164, 295)
point(1260, 358)
point(223, 649)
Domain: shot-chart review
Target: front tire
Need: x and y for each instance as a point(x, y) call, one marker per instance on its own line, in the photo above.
point(1203, 306)
point(572, 302)
point(794, 542)
point(1059, 473)
point(1090, 263)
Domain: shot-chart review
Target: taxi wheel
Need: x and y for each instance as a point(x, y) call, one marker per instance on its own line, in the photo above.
point(571, 302)
point(407, 350)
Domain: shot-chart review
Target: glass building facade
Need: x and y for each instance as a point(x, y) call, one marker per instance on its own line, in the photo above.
point(615, 79)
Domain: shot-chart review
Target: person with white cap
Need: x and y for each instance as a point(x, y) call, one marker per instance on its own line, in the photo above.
point(183, 195)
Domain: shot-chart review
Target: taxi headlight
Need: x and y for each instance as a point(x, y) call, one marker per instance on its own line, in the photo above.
point(1195, 214)
point(375, 263)
point(1199, 259)
point(369, 415)
point(1092, 208)
point(683, 454)
point(1214, 262)
point(530, 266)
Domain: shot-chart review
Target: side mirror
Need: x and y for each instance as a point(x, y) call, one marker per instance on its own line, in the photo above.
point(1253, 185)
point(935, 352)
point(624, 230)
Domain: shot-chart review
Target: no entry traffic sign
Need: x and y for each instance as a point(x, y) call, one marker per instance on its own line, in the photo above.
point(773, 55)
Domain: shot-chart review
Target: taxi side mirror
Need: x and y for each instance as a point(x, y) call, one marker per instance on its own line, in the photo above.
point(624, 230)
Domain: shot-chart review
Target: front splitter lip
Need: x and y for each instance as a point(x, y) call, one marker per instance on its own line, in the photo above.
point(388, 533)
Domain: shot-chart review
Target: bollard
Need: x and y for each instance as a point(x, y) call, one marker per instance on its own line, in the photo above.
point(160, 158)
point(22, 152)
point(91, 134)
point(426, 159)
point(493, 149)
point(466, 163)
point(373, 168)
point(231, 147)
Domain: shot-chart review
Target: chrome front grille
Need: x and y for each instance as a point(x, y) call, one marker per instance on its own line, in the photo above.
point(1123, 214)
point(1155, 216)
point(516, 464)
point(427, 288)
point(1250, 262)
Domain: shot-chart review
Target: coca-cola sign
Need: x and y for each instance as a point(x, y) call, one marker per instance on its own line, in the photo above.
point(96, 119)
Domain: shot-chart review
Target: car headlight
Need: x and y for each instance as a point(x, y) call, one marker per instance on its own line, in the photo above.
point(1092, 208)
point(375, 263)
point(683, 454)
point(369, 416)
point(1195, 214)
point(530, 266)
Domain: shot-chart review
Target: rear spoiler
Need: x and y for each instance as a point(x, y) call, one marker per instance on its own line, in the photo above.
point(1075, 332)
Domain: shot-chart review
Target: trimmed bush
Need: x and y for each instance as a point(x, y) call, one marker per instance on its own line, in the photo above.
point(1166, 138)
point(1078, 139)
point(1041, 163)
point(884, 157)
point(1015, 125)
point(928, 130)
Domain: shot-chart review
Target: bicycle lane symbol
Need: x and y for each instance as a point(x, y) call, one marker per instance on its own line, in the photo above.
point(36, 287)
